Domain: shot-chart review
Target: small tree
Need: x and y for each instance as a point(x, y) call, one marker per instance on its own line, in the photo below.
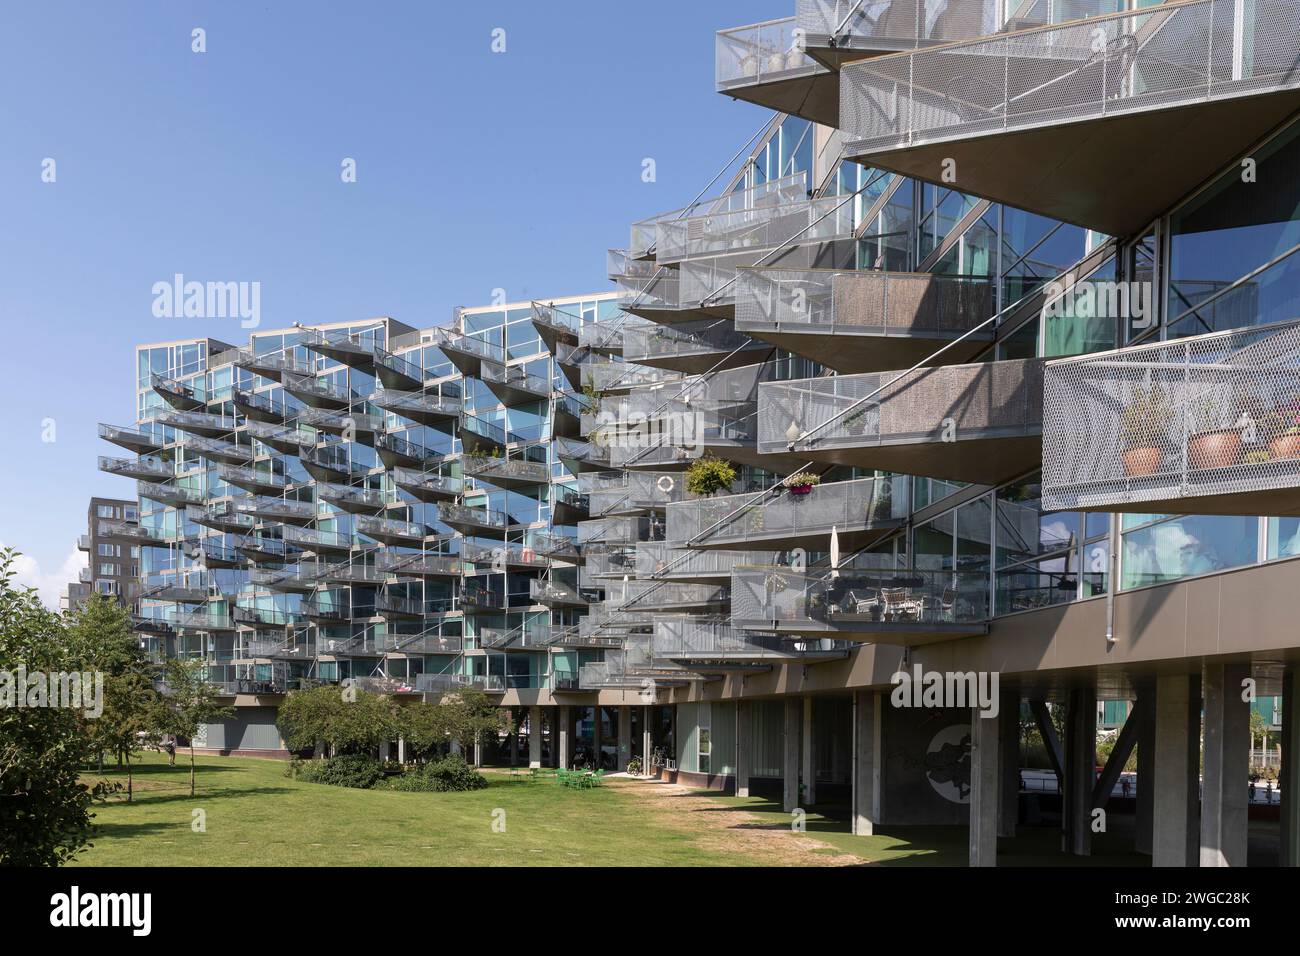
point(190, 701)
point(473, 718)
point(45, 817)
point(348, 720)
point(425, 727)
point(709, 475)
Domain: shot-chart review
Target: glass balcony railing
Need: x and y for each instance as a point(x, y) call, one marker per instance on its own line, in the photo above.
point(197, 423)
point(219, 450)
point(513, 471)
point(396, 451)
point(171, 494)
point(424, 407)
point(338, 422)
point(512, 383)
point(422, 565)
point(385, 529)
point(145, 468)
point(316, 540)
point(1159, 57)
point(695, 640)
point(475, 520)
point(1208, 424)
point(319, 392)
point(332, 461)
point(272, 365)
point(279, 509)
point(451, 341)
point(427, 485)
point(285, 439)
point(144, 439)
point(862, 505)
point(352, 498)
point(259, 405)
point(762, 53)
point(252, 479)
point(904, 600)
point(503, 556)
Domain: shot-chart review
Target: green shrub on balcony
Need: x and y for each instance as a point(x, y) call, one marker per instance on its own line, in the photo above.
point(709, 475)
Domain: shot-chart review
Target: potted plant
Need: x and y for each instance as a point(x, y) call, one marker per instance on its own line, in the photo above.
point(1281, 428)
point(801, 482)
point(709, 475)
point(1212, 445)
point(1144, 423)
point(856, 424)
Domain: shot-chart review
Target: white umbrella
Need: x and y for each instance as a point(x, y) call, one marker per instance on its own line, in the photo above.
point(835, 552)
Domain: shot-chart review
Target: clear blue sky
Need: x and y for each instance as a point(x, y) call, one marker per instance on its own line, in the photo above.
point(475, 171)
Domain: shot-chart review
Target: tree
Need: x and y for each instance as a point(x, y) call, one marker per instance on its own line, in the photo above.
point(473, 718)
point(45, 816)
point(348, 720)
point(426, 727)
point(100, 638)
point(190, 702)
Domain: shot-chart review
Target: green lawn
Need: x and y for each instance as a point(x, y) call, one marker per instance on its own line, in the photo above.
point(258, 817)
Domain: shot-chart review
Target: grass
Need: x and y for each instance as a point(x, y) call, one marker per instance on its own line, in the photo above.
point(255, 816)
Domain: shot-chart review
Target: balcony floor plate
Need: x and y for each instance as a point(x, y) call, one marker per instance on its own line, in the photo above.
point(978, 460)
point(851, 352)
point(1084, 172)
point(758, 539)
point(814, 97)
point(854, 627)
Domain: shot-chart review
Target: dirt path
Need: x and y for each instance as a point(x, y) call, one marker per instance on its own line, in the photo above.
point(725, 830)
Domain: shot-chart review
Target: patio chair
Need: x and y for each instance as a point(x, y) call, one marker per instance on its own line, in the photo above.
point(899, 605)
point(860, 602)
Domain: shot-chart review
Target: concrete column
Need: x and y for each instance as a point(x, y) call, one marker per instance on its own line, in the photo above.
point(809, 769)
point(597, 735)
point(1289, 775)
point(534, 736)
point(743, 748)
point(1080, 770)
point(478, 753)
point(868, 760)
point(1008, 761)
point(512, 738)
point(624, 738)
point(985, 751)
point(1146, 769)
point(647, 740)
point(401, 750)
point(566, 728)
point(790, 756)
point(1177, 768)
point(1225, 795)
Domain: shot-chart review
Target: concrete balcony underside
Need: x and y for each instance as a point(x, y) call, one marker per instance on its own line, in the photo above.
point(1048, 121)
point(976, 423)
point(811, 92)
point(853, 627)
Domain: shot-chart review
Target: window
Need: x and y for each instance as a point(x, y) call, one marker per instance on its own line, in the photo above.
point(1157, 548)
point(705, 750)
point(107, 569)
point(107, 511)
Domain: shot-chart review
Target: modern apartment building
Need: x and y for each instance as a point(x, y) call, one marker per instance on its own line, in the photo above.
point(112, 567)
point(1014, 279)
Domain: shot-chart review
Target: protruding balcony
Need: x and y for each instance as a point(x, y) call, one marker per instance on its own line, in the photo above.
point(765, 63)
point(433, 408)
point(398, 452)
point(425, 642)
point(658, 559)
point(347, 572)
point(174, 495)
point(580, 456)
point(505, 556)
point(185, 396)
point(361, 428)
point(693, 348)
point(670, 597)
point(479, 435)
point(617, 377)
point(557, 547)
point(216, 449)
point(894, 606)
point(568, 505)
point(115, 530)
point(216, 555)
point(353, 499)
point(466, 352)
point(630, 492)
point(197, 423)
point(256, 480)
point(476, 598)
point(477, 522)
point(506, 472)
point(554, 594)
point(866, 321)
point(317, 541)
point(319, 393)
point(286, 510)
point(619, 531)
point(216, 620)
point(267, 550)
point(695, 643)
point(259, 407)
point(143, 440)
point(285, 439)
point(607, 565)
point(566, 417)
point(264, 617)
point(393, 606)
point(148, 468)
point(554, 325)
point(332, 463)
point(392, 531)
point(83, 542)
point(330, 607)
point(272, 365)
point(1048, 119)
point(365, 644)
point(292, 581)
point(193, 591)
point(513, 384)
point(860, 511)
point(977, 423)
point(222, 516)
point(424, 565)
point(1204, 425)
point(427, 486)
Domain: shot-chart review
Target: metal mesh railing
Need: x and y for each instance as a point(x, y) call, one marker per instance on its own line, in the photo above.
point(693, 639)
point(987, 400)
point(654, 558)
point(1215, 414)
point(868, 302)
point(767, 596)
point(1155, 58)
point(677, 237)
point(844, 505)
point(804, 221)
point(694, 338)
point(762, 53)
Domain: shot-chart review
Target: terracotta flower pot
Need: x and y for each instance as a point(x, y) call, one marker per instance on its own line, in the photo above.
point(1285, 446)
point(1139, 462)
point(1216, 449)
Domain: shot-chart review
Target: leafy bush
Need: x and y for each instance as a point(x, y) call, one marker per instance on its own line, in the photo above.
point(358, 771)
point(709, 475)
point(451, 773)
